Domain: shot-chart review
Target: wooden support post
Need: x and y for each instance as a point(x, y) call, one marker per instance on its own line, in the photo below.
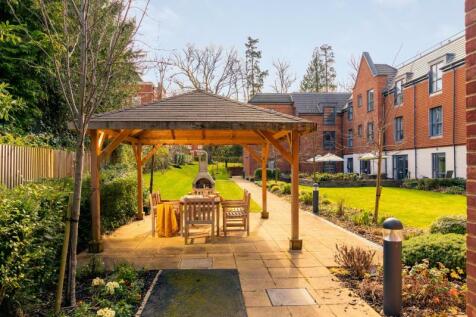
point(140, 198)
point(264, 178)
point(96, 244)
point(295, 243)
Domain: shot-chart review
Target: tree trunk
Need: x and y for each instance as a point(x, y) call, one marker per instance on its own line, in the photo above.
point(78, 179)
point(378, 187)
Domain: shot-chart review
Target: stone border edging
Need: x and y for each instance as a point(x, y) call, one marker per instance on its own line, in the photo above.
point(147, 295)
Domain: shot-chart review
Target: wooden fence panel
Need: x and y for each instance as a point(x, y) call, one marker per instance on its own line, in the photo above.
point(20, 164)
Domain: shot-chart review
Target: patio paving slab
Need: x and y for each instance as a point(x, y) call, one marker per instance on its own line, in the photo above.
point(290, 297)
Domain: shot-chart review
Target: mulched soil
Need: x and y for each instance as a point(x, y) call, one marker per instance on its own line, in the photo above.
point(376, 302)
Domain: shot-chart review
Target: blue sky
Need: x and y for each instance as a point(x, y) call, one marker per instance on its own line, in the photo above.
point(390, 30)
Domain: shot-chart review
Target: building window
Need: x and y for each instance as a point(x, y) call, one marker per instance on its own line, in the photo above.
point(329, 115)
point(370, 132)
point(365, 167)
point(398, 131)
point(398, 93)
point(359, 130)
point(350, 165)
point(436, 121)
point(370, 100)
point(329, 140)
point(438, 165)
point(359, 101)
point(350, 138)
point(350, 112)
point(436, 80)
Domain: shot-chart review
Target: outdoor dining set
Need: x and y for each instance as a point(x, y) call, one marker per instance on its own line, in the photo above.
point(200, 208)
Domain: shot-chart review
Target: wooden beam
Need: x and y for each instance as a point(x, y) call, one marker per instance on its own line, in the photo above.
point(264, 179)
point(284, 153)
point(295, 243)
point(172, 132)
point(101, 139)
point(253, 153)
point(151, 152)
point(140, 198)
point(95, 246)
point(184, 141)
point(114, 144)
point(280, 134)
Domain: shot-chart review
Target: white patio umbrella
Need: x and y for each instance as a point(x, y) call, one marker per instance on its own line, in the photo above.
point(312, 159)
point(329, 157)
point(370, 157)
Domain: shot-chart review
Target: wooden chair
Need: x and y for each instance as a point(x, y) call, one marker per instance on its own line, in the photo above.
point(236, 214)
point(198, 211)
point(154, 200)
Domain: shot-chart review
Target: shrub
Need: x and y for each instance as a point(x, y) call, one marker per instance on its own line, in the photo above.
point(357, 260)
point(275, 188)
point(455, 190)
point(447, 249)
point(270, 173)
point(321, 177)
point(118, 202)
point(450, 185)
point(306, 198)
point(340, 208)
point(31, 236)
point(449, 224)
point(286, 189)
point(363, 218)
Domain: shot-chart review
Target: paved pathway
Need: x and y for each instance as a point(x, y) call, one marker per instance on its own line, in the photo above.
point(262, 259)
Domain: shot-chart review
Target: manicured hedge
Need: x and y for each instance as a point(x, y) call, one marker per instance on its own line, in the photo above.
point(118, 202)
point(456, 185)
point(448, 249)
point(449, 224)
point(31, 236)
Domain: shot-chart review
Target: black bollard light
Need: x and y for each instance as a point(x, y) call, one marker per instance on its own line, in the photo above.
point(315, 198)
point(392, 266)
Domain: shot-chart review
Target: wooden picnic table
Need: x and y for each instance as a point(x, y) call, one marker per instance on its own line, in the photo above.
point(217, 199)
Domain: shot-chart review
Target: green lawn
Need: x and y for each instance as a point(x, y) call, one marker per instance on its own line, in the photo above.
point(176, 182)
point(415, 208)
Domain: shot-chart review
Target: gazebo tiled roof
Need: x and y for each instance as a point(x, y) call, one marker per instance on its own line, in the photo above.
point(198, 110)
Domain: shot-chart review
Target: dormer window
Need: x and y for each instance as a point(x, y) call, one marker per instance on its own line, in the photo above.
point(398, 93)
point(436, 78)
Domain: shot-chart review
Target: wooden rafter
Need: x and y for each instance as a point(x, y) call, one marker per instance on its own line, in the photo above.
point(151, 152)
point(280, 134)
point(114, 144)
point(284, 152)
point(101, 138)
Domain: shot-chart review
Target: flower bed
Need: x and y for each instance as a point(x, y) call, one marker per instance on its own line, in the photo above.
point(116, 293)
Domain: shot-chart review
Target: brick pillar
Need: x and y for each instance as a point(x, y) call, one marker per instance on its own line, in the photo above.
point(470, 8)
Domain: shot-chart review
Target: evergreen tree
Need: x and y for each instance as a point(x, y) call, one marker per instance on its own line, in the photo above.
point(320, 74)
point(254, 75)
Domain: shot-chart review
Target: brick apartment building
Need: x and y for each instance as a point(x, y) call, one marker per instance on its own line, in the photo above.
point(418, 108)
point(147, 92)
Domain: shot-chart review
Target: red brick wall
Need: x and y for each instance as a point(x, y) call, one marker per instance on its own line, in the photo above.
point(470, 6)
point(364, 82)
point(424, 102)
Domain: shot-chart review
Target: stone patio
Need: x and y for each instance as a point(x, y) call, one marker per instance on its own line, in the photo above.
point(263, 259)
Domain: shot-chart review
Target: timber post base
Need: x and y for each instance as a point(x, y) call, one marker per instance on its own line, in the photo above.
point(96, 246)
point(295, 244)
point(264, 215)
point(140, 216)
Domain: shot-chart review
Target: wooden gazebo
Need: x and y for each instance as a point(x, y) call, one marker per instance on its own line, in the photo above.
point(198, 118)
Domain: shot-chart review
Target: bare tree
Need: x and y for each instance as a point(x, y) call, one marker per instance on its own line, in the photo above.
point(93, 38)
point(283, 76)
point(348, 84)
point(211, 69)
point(163, 67)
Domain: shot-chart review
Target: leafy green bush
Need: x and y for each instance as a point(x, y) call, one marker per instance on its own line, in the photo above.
point(118, 202)
point(306, 198)
point(450, 185)
point(363, 218)
point(321, 177)
point(270, 173)
point(449, 224)
point(447, 249)
point(31, 235)
point(275, 188)
point(286, 189)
